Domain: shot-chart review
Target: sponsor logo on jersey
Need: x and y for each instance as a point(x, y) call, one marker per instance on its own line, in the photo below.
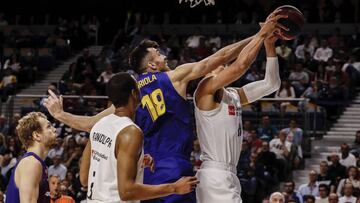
point(231, 110)
point(98, 155)
point(234, 110)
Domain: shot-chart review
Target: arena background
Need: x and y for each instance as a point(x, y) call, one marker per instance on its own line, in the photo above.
point(73, 47)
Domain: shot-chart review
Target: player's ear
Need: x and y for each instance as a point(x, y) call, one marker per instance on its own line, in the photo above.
point(151, 66)
point(36, 136)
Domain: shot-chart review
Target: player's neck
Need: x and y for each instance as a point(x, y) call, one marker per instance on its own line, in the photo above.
point(124, 112)
point(39, 150)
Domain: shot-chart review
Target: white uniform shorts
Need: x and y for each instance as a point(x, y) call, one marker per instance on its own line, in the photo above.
point(218, 183)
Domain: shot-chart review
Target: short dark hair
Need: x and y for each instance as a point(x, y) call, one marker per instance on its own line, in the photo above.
point(138, 53)
point(322, 185)
point(306, 197)
point(119, 88)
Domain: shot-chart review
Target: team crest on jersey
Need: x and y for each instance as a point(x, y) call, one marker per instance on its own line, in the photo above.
point(231, 110)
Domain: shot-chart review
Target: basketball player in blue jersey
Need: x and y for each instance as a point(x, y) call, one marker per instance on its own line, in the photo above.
point(164, 114)
point(29, 180)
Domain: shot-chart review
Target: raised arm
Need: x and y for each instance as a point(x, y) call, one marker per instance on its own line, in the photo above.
point(256, 90)
point(238, 68)
point(28, 184)
point(54, 105)
point(190, 71)
point(129, 144)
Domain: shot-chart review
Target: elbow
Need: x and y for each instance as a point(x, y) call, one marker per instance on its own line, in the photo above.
point(126, 196)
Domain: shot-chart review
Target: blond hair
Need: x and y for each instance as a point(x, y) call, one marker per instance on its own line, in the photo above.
point(27, 125)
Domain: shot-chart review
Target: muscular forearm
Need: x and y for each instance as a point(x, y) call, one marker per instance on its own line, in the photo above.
point(250, 51)
point(82, 123)
point(231, 51)
point(143, 192)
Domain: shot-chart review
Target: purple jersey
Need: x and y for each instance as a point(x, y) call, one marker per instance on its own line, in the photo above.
point(12, 193)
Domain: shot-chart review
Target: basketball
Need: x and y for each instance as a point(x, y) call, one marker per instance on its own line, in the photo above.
point(294, 22)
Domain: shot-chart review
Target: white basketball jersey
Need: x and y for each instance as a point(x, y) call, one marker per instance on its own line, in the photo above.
point(220, 130)
point(102, 181)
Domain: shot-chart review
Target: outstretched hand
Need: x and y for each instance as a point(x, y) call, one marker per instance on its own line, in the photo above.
point(54, 104)
point(271, 26)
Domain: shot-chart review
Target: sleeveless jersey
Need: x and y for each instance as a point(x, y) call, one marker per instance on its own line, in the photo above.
point(220, 130)
point(164, 116)
point(102, 180)
point(12, 193)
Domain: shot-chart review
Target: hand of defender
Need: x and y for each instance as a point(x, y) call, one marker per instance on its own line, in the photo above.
point(148, 161)
point(54, 104)
point(271, 25)
point(185, 185)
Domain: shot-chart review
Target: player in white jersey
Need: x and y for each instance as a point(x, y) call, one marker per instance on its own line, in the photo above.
point(111, 165)
point(218, 116)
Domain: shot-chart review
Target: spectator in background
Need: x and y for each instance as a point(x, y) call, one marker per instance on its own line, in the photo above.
point(289, 188)
point(195, 155)
point(348, 194)
point(87, 87)
point(335, 39)
point(355, 149)
point(254, 141)
point(268, 159)
point(3, 22)
point(8, 84)
point(336, 170)
point(284, 51)
point(286, 91)
point(58, 168)
point(347, 159)
point(4, 126)
point(247, 130)
point(252, 74)
point(277, 197)
point(56, 196)
point(311, 188)
point(104, 78)
point(323, 194)
point(324, 177)
point(2, 144)
point(302, 48)
point(295, 132)
point(323, 53)
point(299, 79)
point(309, 199)
point(353, 179)
point(58, 150)
point(282, 149)
point(333, 198)
point(266, 131)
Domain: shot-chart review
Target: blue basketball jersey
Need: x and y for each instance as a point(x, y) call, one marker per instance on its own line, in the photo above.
point(12, 193)
point(164, 116)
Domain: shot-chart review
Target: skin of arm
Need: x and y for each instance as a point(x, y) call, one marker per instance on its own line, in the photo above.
point(129, 144)
point(85, 164)
point(28, 184)
point(206, 90)
point(54, 104)
point(190, 71)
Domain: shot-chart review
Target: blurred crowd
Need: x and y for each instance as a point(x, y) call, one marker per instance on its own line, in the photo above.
point(322, 69)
